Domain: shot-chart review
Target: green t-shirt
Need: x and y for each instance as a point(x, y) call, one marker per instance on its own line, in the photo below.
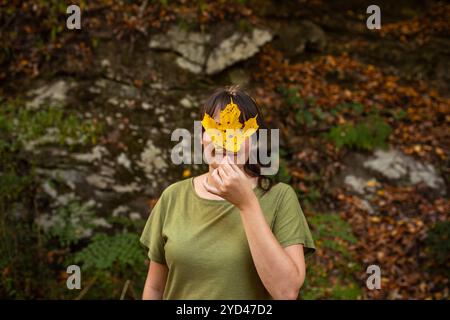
point(204, 246)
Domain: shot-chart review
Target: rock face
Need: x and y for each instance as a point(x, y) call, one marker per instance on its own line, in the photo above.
point(394, 165)
point(190, 45)
point(200, 52)
point(128, 163)
point(131, 163)
point(362, 172)
point(54, 93)
point(236, 48)
point(295, 38)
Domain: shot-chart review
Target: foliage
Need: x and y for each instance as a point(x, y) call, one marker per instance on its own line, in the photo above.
point(419, 29)
point(283, 173)
point(70, 222)
point(42, 24)
point(331, 272)
point(25, 270)
point(23, 242)
point(12, 186)
point(438, 244)
point(363, 106)
point(112, 252)
point(371, 134)
point(325, 105)
point(303, 110)
point(25, 125)
point(106, 260)
point(19, 127)
point(109, 261)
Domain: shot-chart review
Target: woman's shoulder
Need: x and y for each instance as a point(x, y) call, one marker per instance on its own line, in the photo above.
point(177, 188)
point(280, 190)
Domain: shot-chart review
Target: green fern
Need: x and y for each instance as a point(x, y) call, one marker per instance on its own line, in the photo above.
point(70, 222)
point(107, 252)
point(368, 135)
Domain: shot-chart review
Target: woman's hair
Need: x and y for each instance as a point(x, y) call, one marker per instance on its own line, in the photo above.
point(249, 109)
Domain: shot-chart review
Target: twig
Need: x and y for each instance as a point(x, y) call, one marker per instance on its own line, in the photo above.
point(124, 290)
point(142, 9)
point(86, 289)
point(131, 290)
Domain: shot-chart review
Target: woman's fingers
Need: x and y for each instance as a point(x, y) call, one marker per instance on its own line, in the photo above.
point(222, 173)
point(235, 168)
point(228, 171)
point(217, 179)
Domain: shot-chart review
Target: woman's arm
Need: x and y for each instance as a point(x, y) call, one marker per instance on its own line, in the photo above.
point(155, 282)
point(282, 271)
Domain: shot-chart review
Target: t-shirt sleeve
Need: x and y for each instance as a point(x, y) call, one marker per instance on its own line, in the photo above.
point(290, 225)
point(152, 235)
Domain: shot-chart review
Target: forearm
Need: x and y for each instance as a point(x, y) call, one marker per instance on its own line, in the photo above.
point(276, 269)
point(155, 282)
point(150, 293)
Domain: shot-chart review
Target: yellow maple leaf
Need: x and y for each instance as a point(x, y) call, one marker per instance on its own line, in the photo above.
point(228, 133)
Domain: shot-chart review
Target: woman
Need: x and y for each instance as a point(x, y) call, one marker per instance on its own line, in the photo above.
point(229, 233)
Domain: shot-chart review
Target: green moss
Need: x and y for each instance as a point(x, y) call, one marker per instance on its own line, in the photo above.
point(27, 125)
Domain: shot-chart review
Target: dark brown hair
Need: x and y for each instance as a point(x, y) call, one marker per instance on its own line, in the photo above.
point(249, 109)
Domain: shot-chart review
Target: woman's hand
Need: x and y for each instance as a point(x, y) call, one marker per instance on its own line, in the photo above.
point(228, 181)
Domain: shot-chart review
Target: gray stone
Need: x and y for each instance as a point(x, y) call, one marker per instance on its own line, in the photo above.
point(96, 154)
point(152, 160)
point(146, 106)
point(135, 216)
point(395, 165)
point(356, 184)
point(130, 188)
point(51, 136)
point(53, 93)
point(120, 210)
point(190, 45)
point(123, 160)
point(197, 53)
point(99, 181)
point(187, 102)
point(49, 189)
point(239, 46)
point(70, 177)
